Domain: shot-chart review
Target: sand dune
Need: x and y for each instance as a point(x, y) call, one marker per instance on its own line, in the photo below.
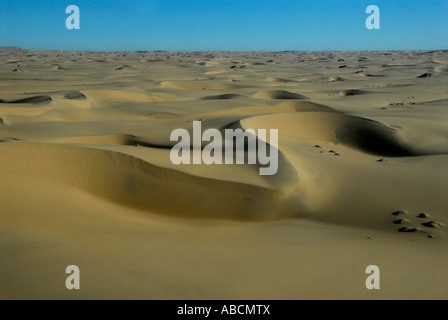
point(441, 61)
point(86, 175)
point(441, 69)
point(75, 95)
point(222, 97)
point(129, 181)
point(369, 75)
point(353, 92)
point(33, 100)
point(198, 85)
point(277, 94)
point(123, 95)
point(275, 79)
point(333, 78)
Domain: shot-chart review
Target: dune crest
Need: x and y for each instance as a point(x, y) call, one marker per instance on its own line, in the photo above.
point(278, 95)
point(199, 85)
point(130, 181)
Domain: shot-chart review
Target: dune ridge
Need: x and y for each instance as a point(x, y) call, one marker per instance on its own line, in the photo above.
point(128, 180)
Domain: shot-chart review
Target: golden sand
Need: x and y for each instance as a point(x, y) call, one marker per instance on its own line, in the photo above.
point(86, 177)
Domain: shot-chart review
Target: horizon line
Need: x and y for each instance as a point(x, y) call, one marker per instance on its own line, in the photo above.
point(261, 50)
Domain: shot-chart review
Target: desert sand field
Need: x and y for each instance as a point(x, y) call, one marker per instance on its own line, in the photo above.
point(86, 177)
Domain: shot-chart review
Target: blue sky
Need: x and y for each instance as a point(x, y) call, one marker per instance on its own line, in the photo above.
point(224, 25)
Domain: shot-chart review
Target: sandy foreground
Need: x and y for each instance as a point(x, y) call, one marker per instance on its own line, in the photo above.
point(86, 177)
